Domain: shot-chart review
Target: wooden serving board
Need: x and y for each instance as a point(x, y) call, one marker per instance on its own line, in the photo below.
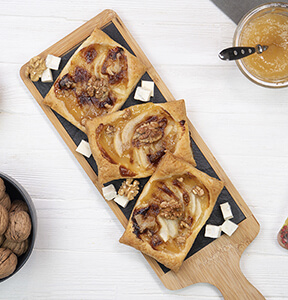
point(214, 261)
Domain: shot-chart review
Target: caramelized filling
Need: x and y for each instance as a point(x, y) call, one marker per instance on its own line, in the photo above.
point(269, 29)
point(174, 201)
point(115, 66)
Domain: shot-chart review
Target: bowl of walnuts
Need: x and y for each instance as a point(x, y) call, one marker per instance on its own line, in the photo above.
point(17, 226)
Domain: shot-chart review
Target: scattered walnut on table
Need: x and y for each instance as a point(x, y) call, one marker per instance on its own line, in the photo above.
point(129, 189)
point(8, 262)
point(4, 219)
point(19, 227)
point(35, 68)
point(197, 190)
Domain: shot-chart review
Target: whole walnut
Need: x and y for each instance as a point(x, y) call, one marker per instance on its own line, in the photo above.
point(19, 226)
point(8, 262)
point(2, 188)
point(18, 205)
point(2, 239)
point(5, 201)
point(17, 248)
point(4, 219)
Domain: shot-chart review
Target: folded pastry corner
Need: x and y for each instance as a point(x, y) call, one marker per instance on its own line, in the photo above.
point(131, 142)
point(97, 80)
point(171, 210)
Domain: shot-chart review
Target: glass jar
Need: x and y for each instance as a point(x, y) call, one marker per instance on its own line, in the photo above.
point(265, 25)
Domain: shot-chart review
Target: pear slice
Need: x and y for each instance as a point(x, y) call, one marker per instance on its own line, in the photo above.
point(118, 143)
point(164, 231)
point(129, 128)
point(172, 227)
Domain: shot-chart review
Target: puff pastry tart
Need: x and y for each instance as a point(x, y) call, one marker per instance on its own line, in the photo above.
point(130, 143)
point(96, 80)
point(171, 210)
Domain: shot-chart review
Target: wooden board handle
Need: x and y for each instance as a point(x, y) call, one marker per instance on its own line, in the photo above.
point(233, 285)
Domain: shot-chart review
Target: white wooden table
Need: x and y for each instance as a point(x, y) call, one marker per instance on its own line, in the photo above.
point(77, 253)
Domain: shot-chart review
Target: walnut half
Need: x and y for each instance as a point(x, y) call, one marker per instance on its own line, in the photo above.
point(129, 189)
point(197, 190)
point(35, 68)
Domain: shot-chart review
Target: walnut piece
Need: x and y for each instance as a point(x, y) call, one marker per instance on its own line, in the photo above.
point(18, 205)
point(171, 209)
point(110, 129)
point(4, 219)
point(5, 201)
point(19, 226)
point(97, 87)
point(127, 113)
point(129, 189)
point(8, 262)
point(180, 240)
point(183, 224)
point(2, 188)
point(35, 68)
point(197, 190)
point(17, 248)
point(148, 133)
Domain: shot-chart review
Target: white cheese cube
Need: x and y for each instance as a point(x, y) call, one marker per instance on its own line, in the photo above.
point(121, 200)
point(84, 149)
point(212, 231)
point(52, 62)
point(47, 76)
point(109, 192)
point(229, 227)
point(226, 211)
point(148, 85)
point(142, 94)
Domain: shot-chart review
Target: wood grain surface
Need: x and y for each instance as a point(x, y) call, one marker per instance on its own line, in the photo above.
point(244, 125)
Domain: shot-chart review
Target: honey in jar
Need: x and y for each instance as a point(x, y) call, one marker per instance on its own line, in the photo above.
point(267, 26)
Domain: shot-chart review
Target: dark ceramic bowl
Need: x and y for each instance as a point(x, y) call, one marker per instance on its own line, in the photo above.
point(16, 191)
